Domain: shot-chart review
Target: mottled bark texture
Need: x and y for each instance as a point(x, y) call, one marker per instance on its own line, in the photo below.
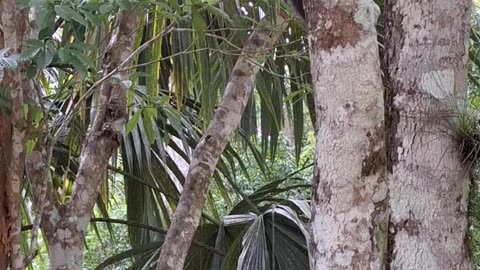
point(219, 133)
point(15, 89)
point(426, 62)
point(349, 189)
point(5, 137)
point(65, 225)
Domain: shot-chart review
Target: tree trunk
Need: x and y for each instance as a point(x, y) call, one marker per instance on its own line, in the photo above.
point(426, 62)
point(65, 225)
point(349, 189)
point(219, 133)
point(66, 245)
point(17, 92)
point(5, 138)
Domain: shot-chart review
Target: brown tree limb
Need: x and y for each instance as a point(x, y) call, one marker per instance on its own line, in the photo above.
point(41, 186)
point(5, 149)
point(205, 156)
point(67, 241)
point(14, 27)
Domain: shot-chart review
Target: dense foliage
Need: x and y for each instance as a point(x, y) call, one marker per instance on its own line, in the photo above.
point(257, 208)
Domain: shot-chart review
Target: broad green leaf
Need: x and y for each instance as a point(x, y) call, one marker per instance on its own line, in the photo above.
point(174, 118)
point(29, 53)
point(94, 19)
point(106, 8)
point(68, 13)
point(87, 61)
point(44, 58)
point(63, 54)
point(150, 112)
point(34, 43)
point(76, 63)
point(219, 13)
point(124, 4)
point(45, 18)
point(148, 126)
point(132, 123)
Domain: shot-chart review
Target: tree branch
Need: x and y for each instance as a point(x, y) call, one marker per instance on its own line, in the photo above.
point(101, 142)
point(14, 22)
point(106, 134)
point(41, 187)
point(120, 68)
point(207, 153)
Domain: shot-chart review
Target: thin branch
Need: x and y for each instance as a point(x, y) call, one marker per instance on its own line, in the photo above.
point(92, 88)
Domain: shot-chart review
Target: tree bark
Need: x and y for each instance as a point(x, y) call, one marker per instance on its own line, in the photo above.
point(426, 61)
point(65, 225)
point(349, 189)
point(16, 92)
point(219, 133)
point(5, 137)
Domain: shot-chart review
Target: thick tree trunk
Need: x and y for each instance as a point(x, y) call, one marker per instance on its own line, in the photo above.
point(426, 62)
point(349, 188)
point(205, 156)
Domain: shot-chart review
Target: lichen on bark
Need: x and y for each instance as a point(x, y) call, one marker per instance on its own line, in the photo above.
point(349, 191)
point(426, 67)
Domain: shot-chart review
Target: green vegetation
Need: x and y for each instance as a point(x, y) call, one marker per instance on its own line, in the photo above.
point(258, 204)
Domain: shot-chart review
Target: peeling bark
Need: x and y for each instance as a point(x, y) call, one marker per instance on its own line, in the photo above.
point(219, 133)
point(349, 189)
point(426, 56)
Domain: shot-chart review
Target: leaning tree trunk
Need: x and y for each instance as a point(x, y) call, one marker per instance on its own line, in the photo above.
point(65, 225)
point(349, 189)
point(219, 133)
point(426, 67)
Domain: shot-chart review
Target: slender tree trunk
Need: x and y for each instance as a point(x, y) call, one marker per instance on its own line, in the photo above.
point(66, 245)
point(5, 137)
point(65, 225)
point(426, 62)
point(16, 92)
point(205, 156)
point(349, 188)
